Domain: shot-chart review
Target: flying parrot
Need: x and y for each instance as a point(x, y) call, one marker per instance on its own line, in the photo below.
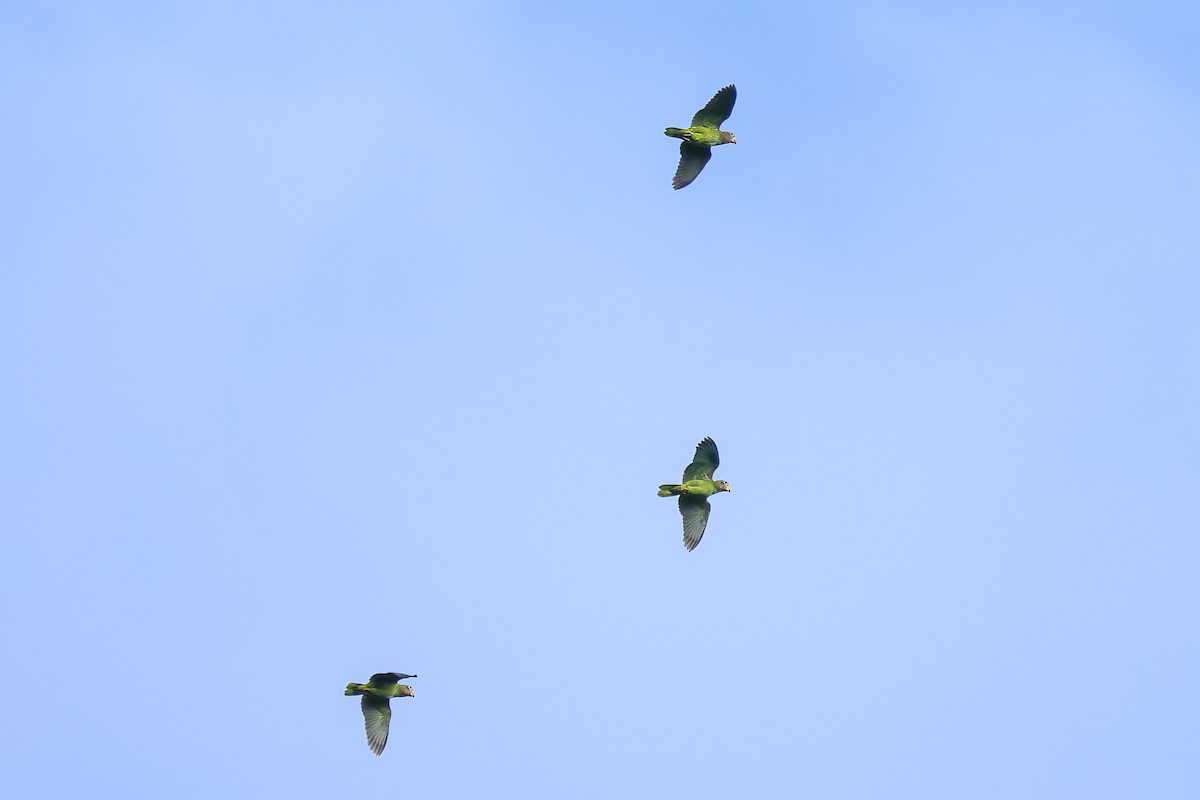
point(698, 141)
point(376, 706)
point(698, 485)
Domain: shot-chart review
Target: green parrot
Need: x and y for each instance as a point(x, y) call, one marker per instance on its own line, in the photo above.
point(698, 485)
point(376, 706)
point(698, 141)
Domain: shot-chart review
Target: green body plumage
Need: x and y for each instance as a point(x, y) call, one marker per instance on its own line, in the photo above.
point(694, 488)
point(376, 704)
point(698, 485)
point(704, 134)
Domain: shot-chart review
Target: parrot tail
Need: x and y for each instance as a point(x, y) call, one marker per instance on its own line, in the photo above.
point(678, 133)
point(354, 688)
point(668, 489)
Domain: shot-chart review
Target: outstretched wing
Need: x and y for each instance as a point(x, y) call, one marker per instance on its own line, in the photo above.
point(718, 109)
point(692, 158)
point(695, 518)
point(703, 465)
point(384, 678)
point(377, 714)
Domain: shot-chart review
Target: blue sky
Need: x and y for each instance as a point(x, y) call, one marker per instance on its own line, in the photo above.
point(341, 339)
